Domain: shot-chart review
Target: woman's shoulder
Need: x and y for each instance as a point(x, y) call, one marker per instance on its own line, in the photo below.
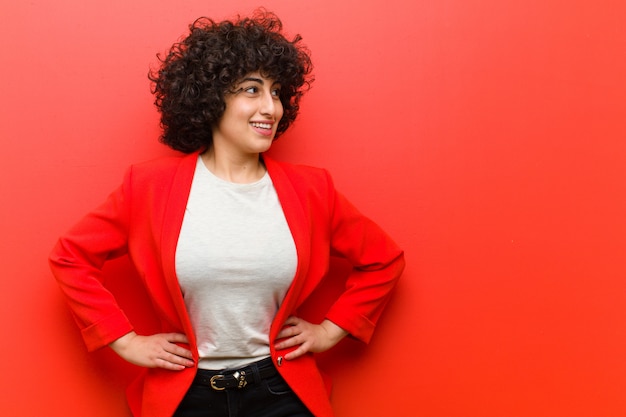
point(164, 167)
point(165, 162)
point(297, 171)
point(309, 182)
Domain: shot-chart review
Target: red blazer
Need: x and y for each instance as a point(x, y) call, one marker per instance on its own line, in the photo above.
point(143, 217)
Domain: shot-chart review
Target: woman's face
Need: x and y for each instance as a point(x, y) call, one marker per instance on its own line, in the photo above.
point(253, 110)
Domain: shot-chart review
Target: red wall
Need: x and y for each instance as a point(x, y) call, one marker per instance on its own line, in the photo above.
point(486, 136)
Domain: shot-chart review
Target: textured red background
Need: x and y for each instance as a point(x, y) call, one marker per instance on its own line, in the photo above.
point(486, 136)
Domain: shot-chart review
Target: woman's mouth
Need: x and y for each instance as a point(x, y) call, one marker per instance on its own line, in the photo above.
point(262, 128)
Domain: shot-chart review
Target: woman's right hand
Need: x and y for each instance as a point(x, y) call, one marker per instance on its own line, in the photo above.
point(156, 351)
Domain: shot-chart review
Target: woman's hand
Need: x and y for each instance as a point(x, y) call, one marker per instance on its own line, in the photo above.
point(156, 351)
point(310, 337)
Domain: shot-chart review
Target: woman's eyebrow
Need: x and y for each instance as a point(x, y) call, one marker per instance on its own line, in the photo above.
point(257, 80)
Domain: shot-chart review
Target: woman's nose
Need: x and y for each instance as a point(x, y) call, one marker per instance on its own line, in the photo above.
point(268, 104)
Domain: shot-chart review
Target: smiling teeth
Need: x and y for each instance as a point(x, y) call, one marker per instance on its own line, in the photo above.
point(262, 125)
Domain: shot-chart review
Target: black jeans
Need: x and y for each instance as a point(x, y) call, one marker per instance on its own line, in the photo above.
point(269, 397)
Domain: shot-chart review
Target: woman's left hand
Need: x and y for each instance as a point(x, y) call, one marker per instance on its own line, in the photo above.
point(310, 337)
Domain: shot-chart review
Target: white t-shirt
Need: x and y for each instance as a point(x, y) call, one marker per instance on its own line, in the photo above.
point(235, 261)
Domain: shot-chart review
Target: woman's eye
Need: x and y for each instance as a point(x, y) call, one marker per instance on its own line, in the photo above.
point(253, 90)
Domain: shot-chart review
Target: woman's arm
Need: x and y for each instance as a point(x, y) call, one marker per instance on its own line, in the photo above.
point(377, 263)
point(77, 261)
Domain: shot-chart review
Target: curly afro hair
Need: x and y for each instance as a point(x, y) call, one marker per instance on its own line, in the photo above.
point(199, 71)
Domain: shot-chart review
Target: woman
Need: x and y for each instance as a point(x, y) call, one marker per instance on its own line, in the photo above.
point(228, 242)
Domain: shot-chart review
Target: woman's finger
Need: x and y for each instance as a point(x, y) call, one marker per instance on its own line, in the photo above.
point(165, 364)
point(178, 350)
point(301, 350)
point(289, 331)
point(176, 338)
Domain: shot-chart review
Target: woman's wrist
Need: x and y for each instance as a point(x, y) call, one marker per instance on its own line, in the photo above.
point(121, 343)
point(335, 333)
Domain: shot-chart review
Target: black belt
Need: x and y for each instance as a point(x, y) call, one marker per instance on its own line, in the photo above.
point(235, 378)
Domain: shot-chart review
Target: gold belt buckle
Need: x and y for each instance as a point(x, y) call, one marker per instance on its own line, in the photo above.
point(216, 378)
point(240, 377)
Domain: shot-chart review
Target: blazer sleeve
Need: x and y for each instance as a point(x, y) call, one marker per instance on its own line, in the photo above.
point(77, 260)
point(377, 263)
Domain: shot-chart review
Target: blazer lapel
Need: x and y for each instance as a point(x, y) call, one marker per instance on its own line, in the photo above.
point(297, 221)
point(176, 203)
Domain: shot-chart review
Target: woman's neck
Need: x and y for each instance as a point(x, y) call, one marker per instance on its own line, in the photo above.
point(242, 169)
